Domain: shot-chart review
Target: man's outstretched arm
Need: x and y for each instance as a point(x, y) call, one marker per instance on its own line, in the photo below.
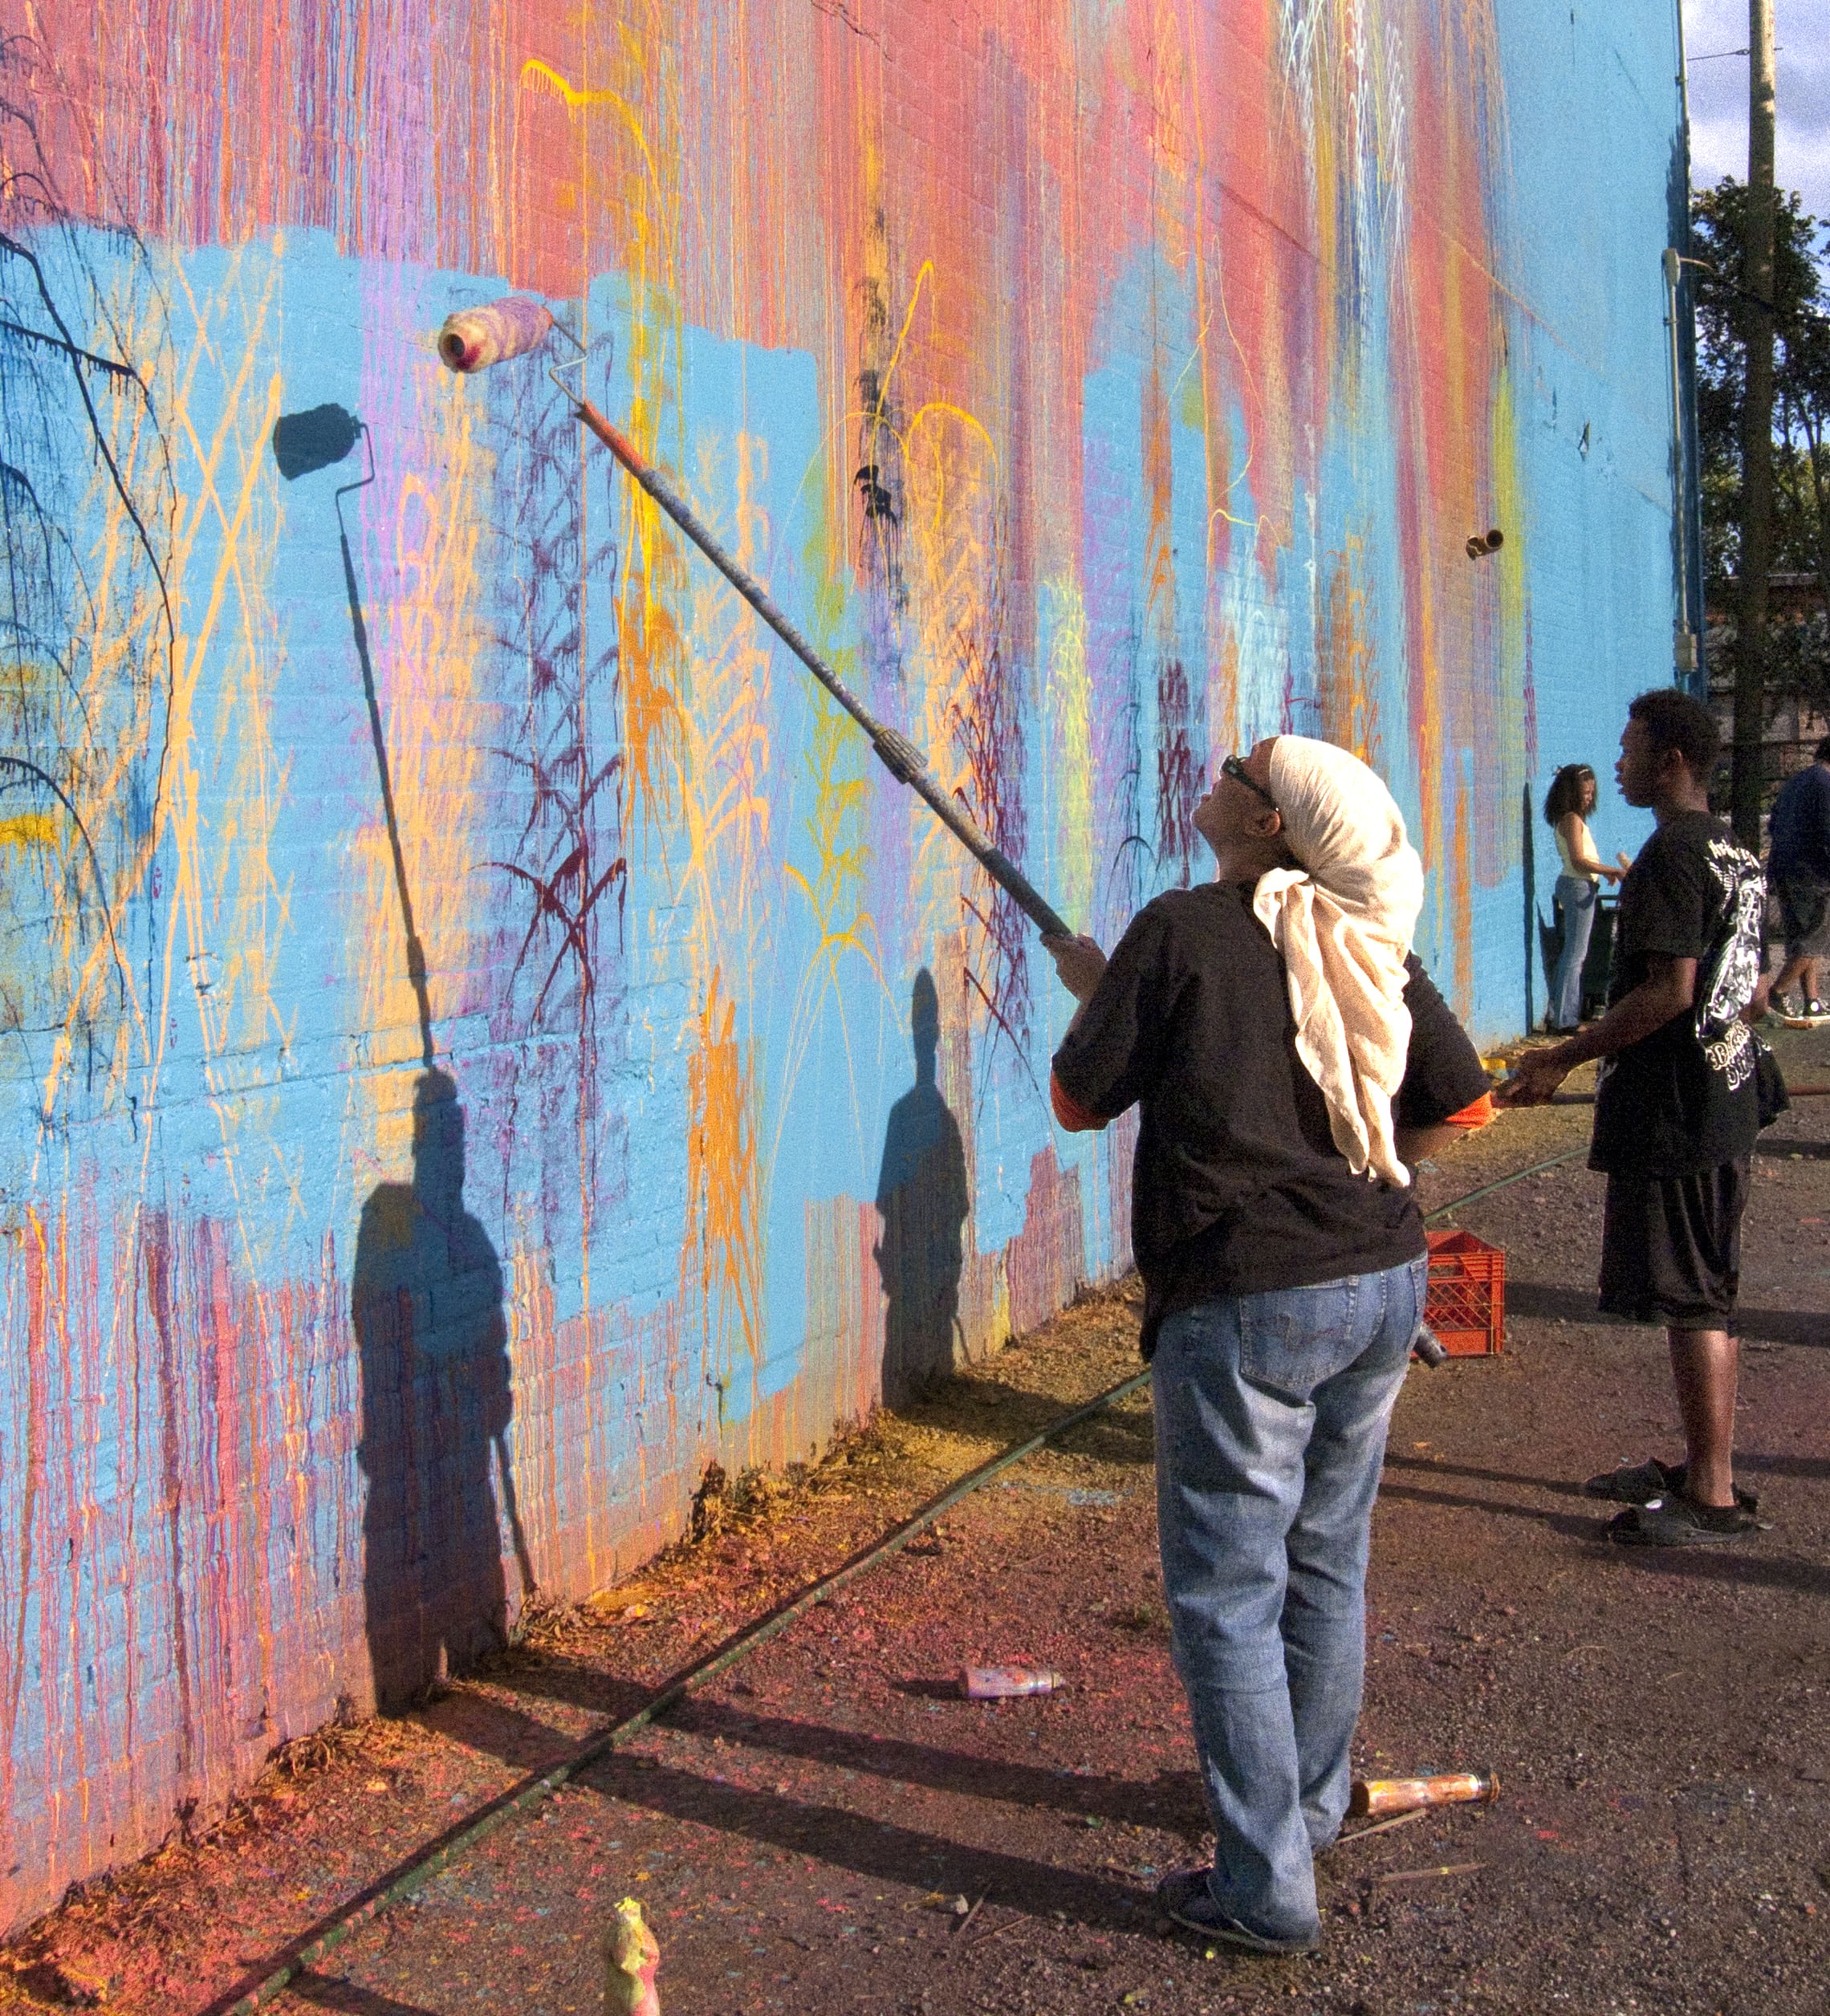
point(1668, 990)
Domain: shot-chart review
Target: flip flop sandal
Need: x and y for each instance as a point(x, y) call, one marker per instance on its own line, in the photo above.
point(1675, 1521)
point(1646, 1483)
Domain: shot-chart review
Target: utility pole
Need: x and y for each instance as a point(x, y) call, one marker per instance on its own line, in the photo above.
point(1756, 434)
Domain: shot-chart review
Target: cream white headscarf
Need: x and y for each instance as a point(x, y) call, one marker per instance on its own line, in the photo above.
point(1343, 924)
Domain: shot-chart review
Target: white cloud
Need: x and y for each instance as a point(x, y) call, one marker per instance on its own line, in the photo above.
point(1719, 95)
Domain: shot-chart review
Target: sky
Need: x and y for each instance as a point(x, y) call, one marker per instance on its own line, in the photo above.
point(1719, 95)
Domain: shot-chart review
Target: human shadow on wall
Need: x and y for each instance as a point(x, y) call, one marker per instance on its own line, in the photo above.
point(427, 1305)
point(921, 1197)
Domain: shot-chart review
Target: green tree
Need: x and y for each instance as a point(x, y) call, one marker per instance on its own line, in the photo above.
point(1798, 653)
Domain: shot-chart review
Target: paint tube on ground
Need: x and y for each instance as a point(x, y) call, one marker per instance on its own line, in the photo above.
point(631, 1955)
point(1006, 1683)
point(1372, 1796)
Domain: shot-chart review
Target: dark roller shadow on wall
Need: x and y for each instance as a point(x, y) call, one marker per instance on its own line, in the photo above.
point(304, 443)
point(427, 1305)
point(921, 1197)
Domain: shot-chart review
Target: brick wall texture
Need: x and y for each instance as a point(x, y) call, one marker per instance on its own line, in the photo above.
point(482, 1039)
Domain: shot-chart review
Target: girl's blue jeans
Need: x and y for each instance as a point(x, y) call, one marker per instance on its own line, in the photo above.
point(1575, 899)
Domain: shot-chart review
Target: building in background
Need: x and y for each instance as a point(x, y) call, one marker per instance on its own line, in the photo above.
point(1799, 643)
point(482, 1039)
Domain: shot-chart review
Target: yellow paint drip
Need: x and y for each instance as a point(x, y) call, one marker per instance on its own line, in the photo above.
point(1069, 712)
point(1345, 682)
point(29, 829)
point(1511, 507)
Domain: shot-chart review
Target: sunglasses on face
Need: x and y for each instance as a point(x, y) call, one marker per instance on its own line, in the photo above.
point(1234, 767)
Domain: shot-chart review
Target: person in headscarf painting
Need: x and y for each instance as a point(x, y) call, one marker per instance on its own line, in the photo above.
point(1289, 1058)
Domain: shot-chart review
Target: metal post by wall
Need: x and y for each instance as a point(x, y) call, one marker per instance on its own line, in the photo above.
point(1688, 657)
point(1756, 432)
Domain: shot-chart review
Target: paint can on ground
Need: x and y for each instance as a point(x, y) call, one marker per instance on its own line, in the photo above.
point(631, 1955)
point(1007, 1682)
point(1371, 1796)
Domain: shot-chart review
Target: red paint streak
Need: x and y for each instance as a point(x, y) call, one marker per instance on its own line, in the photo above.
point(1046, 1262)
point(156, 1257)
point(13, 1671)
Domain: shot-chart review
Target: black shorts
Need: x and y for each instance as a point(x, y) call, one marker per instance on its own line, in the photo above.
point(1671, 1247)
point(1805, 914)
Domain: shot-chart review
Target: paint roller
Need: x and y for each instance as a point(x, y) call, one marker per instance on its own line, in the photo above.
point(474, 339)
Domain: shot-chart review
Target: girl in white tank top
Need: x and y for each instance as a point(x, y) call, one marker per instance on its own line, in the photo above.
point(1572, 794)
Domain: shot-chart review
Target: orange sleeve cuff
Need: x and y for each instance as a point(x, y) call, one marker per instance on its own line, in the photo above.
point(1069, 1112)
point(1476, 1115)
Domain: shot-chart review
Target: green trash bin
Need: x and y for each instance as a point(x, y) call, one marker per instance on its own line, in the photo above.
point(1598, 966)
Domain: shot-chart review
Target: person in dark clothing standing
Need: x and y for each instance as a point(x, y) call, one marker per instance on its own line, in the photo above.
point(1798, 866)
point(1676, 1112)
point(1288, 1057)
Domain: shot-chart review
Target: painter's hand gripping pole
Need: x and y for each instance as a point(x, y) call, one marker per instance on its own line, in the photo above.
point(479, 337)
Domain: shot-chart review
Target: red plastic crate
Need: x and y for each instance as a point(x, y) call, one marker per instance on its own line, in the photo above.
point(1465, 1304)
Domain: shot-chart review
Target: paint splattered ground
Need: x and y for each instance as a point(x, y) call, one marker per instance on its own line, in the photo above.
point(800, 1830)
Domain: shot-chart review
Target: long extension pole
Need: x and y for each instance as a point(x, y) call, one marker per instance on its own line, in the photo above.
point(898, 755)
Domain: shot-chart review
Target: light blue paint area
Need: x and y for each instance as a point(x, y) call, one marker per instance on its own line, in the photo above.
point(1593, 104)
point(1123, 858)
point(227, 306)
point(830, 1040)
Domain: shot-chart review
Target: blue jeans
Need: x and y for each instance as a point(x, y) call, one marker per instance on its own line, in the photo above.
point(1575, 898)
point(1271, 1413)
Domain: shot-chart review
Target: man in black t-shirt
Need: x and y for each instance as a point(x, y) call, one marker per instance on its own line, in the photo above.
point(1283, 1289)
point(1676, 1112)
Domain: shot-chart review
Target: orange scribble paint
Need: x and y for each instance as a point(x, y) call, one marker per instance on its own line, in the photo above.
point(721, 1262)
point(1346, 671)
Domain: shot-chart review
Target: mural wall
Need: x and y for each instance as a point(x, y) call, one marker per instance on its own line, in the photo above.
point(479, 1035)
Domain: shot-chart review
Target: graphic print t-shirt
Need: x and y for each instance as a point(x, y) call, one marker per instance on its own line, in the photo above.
point(1682, 1100)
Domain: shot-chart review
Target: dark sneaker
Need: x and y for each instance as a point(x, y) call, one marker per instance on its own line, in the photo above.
point(1679, 1521)
point(1186, 1898)
point(1645, 1483)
